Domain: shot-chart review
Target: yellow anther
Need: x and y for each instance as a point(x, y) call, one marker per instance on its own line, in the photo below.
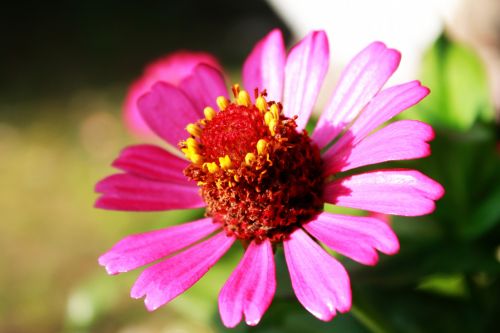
point(225, 162)
point(196, 158)
point(236, 90)
point(191, 143)
point(261, 146)
point(275, 111)
point(209, 113)
point(211, 167)
point(185, 151)
point(236, 178)
point(261, 104)
point(268, 117)
point(249, 158)
point(191, 152)
point(193, 129)
point(272, 125)
point(222, 102)
point(243, 98)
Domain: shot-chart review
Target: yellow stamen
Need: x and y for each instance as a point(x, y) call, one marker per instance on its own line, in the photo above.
point(272, 125)
point(275, 111)
point(190, 147)
point(211, 167)
point(268, 117)
point(261, 147)
point(249, 158)
point(191, 143)
point(196, 158)
point(193, 129)
point(222, 102)
point(191, 151)
point(236, 178)
point(243, 98)
point(225, 162)
point(209, 113)
point(236, 90)
point(261, 104)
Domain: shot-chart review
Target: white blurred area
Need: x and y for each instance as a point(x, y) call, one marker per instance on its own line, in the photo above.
point(410, 26)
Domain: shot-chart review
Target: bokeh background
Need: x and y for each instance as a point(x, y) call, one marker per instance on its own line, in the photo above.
point(64, 71)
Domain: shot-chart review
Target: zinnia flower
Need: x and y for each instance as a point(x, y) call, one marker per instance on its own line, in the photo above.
point(264, 180)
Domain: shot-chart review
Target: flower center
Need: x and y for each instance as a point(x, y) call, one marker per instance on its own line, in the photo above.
point(260, 178)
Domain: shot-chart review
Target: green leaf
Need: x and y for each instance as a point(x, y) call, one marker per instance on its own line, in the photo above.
point(459, 91)
point(447, 285)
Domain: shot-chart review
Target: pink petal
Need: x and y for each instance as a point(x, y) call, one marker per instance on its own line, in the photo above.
point(203, 86)
point(250, 289)
point(131, 193)
point(264, 67)
point(306, 67)
point(320, 282)
point(152, 162)
point(166, 280)
point(167, 111)
point(402, 140)
point(383, 107)
point(359, 82)
point(172, 68)
point(353, 236)
point(141, 249)
point(397, 192)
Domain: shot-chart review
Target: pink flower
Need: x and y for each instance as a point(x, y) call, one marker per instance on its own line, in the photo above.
point(264, 181)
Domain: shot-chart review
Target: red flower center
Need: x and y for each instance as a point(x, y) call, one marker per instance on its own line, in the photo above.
point(259, 176)
point(232, 132)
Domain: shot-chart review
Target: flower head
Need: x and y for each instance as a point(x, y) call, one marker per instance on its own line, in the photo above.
point(260, 177)
point(264, 180)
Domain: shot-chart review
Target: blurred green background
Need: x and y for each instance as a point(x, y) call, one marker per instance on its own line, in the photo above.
point(65, 69)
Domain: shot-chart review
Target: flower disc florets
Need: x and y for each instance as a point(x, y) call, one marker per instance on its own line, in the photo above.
point(258, 175)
